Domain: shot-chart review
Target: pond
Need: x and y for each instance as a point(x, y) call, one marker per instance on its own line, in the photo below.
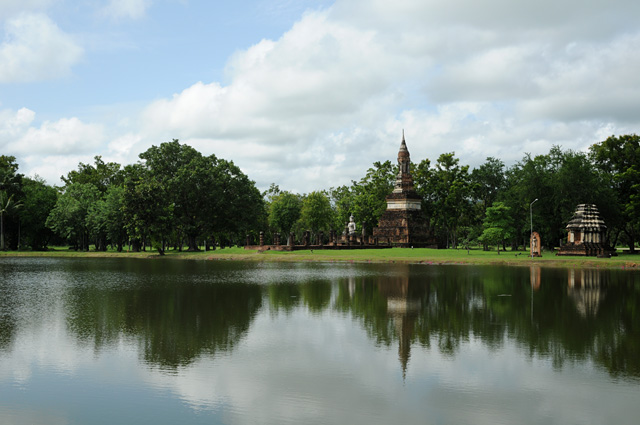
point(131, 341)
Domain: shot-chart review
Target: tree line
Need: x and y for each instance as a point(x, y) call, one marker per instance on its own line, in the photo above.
point(489, 205)
point(175, 197)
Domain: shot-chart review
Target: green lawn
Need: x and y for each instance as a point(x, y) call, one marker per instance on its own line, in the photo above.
point(400, 255)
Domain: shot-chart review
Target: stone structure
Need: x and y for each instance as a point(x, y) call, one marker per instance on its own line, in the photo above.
point(403, 223)
point(351, 226)
point(586, 234)
point(535, 245)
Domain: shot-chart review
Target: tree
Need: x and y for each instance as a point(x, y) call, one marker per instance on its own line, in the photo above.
point(68, 218)
point(486, 182)
point(106, 219)
point(560, 180)
point(238, 204)
point(39, 200)
point(101, 175)
point(316, 213)
point(7, 206)
point(284, 211)
point(446, 191)
point(369, 194)
point(11, 193)
point(619, 158)
point(147, 213)
point(498, 225)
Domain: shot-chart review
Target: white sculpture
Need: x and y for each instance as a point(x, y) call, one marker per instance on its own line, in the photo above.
point(352, 226)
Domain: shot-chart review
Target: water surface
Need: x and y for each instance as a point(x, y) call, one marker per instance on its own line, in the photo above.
point(103, 341)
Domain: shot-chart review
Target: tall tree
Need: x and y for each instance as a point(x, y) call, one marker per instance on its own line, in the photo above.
point(450, 195)
point(101, 174)
point(498, 225)
point(39, 200)
point(284, 211)
point(368, 202)
point(68, 218)
point(560, 180)
point(619, 158)
point(11, 197)
point(486, 183)
point(316, 213)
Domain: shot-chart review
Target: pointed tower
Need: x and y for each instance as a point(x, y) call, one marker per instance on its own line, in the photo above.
point(403, 223)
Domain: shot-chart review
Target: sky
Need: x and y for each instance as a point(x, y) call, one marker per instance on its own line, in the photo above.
point(308, 94)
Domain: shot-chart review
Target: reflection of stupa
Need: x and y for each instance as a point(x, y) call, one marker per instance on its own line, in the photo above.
point(403, 310)
point(586, 234)
point(586, 290)
point(403, 223)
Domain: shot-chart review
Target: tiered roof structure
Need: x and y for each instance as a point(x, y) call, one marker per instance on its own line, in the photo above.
point(586, 233)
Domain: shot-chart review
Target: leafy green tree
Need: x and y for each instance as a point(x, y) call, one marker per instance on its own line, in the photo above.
point(147, 212)
point(619, 158)
point(369, 194)
point(284, 211)
point(181, 173)
point(11, 193)
point(342, 199)
point(68, 218)
point(486, 182)
point(447, 191)
point(498, 225)
point(101, 174)
point(559, 180)
point(39, 201)
point(7, 206)
point(106, 219)
point(316, 213)
point(238, 204)
point(423, 178)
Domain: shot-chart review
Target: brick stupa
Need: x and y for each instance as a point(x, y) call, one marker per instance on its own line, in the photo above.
point(404, 223)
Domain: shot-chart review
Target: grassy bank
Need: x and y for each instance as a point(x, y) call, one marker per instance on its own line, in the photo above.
point(398, 255)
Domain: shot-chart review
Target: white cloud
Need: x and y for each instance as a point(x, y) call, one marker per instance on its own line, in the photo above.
point(132, 9)
point(317, 106)
point(53, 148)
point(12, 7)
point(35, 49)
point(65, 136)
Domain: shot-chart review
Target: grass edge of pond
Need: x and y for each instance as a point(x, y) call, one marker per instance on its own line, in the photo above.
point(395, 255)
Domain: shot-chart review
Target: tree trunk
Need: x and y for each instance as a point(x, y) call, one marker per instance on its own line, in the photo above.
point(632, 241)
point(1, 231)
point(193, 245)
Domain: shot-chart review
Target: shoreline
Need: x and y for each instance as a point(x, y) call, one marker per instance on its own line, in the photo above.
point(395, 255)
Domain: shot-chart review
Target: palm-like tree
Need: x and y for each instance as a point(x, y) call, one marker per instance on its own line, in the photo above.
point(7, 205)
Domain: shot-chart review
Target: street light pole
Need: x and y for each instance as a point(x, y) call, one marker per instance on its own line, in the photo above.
point(531, 217)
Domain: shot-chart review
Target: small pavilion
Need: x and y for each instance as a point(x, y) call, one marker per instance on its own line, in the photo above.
point(586, 234)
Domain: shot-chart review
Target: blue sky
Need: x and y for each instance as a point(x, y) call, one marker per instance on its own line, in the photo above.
point(308, 94)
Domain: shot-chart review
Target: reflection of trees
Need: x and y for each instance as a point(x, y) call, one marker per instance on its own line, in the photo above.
point(493, 304)
point(7, 330)
point(174, 318)
point(316, 295)
point(7, 306)
point(284, 296)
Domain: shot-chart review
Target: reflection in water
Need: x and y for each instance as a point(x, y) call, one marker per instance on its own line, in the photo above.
point(221, 332)
point(403, 306)
point(587, 290)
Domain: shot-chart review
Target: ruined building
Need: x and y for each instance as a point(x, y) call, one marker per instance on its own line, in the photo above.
point(586, 234)
point(404, 223)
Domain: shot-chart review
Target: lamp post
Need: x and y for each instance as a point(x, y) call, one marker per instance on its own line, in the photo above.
point(531, 217)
